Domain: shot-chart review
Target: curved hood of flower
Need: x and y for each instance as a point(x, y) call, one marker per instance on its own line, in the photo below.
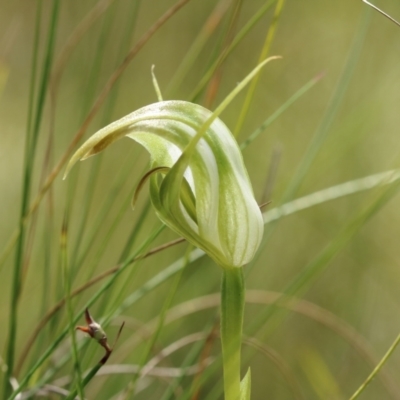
point(210, 201)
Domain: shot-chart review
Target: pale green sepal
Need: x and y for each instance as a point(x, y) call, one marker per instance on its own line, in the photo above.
point(245, 386)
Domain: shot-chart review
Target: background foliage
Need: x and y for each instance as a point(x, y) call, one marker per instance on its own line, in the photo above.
point(331, 255)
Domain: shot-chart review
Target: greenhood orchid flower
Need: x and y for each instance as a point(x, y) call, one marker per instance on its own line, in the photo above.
point(206, 197)
point(199, 188)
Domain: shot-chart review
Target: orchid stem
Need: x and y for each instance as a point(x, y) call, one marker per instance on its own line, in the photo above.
point(232, 310)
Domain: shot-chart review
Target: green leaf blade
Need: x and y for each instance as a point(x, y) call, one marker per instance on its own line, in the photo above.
point(245, 386)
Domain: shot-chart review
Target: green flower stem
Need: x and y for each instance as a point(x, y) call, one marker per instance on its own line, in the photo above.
point(232, 310)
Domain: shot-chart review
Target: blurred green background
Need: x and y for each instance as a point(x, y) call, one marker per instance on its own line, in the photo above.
point(354, 108)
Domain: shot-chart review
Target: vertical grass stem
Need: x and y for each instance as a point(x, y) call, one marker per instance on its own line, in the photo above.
point(30, 150)
point(232, 310)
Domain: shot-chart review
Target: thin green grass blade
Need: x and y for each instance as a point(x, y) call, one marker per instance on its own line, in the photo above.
point(237, 39)
point(67, 291)
point(332, 193)
point(376, 370)
point(86, 206)
point(89, 376)
point(97, 62)
point(32, 83)
point(296, 96)
point(108, 204)
point(44, 83)
point(116, 298)
point(322, 196)
point(337, 98)
point(8, 248)
point(155, 84)
point(197, 46)
point(264, 53)
point(88, 98)
point(157, 280)
point(113, 227)
point(108, 231)
point(225, 39)
point(135, 231)
point(130, 26)
point(223, 36)
point(192, 356)
point(47, 275)
point(30, 151)
point(108, 110)
point(157, 332)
